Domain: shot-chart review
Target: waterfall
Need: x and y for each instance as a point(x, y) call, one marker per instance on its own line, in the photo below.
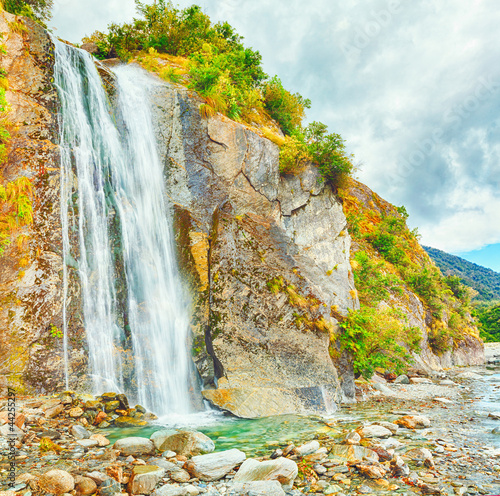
point(112, 183)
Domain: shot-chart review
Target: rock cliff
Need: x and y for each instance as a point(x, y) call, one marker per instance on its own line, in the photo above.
point(260, 251)
point(31, 265)
point(266, 258)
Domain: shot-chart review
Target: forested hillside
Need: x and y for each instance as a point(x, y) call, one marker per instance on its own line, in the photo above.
point(485, 281)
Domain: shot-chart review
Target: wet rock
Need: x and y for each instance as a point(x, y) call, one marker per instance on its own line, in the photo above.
point(173, 470)
point(373, 471)
point(50, 434)
point(320, 469)
point(56, 482)
point(413, 422)
point(116, 473)
point(76, 412)
point(101, 417)
point(388, 425)
point(282, 469)
point(352, 438)
point(276, 454)
point(307, 449)
point(399, 468)
point(144, 479)
point(134, 446)
point(111, 406)
point(110, 487)
point(374, 430)
point(256, 488)
point(125, 421)
point(494, 415)
point(54, 411)
point(97, 477)
point(390, 443)
point(402, 379)
point(354, 454)
point(84, 486)
point(421, 454)
point(185, 443)
point(215, 465)
point(428, 489)
point(79, 432)
point(496, 430)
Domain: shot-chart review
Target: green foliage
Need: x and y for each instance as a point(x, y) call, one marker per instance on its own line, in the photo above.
point(294, 156)
point(286, 108)
point(489, 322)
point(485, 281)
point(328, 151)
point(55, 332)
point(38, 10)
point(373, 280)
point(378, 338)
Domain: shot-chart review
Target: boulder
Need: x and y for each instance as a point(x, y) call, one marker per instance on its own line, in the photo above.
point(402, 379)
point(97, 477)
point(421, 454)
point(413, 422)
point(388, 425)
point(126, 421)
point(76, 412)
point(50, 434)
point(91, 47)
point(134, 446)
point(185, 443)
point(494, 415)
point(110, 488)
point(369, 431)
point(170, 490)
point(56, 482)
point(420, 380)
point(54, 411)
point(352, 438)
point(354, 454)
point(307, 449)
point(173, 470)
point(79, 432)
point(215, 465)
point(372, 470)
point(257, 488)
point(144, 479)
point(102, 441)
point(84, 486)
point(399, 468)
point(11, 431)
point(281, 469)
point(87, 443)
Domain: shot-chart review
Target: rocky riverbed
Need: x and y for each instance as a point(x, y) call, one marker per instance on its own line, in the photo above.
point(408, 435)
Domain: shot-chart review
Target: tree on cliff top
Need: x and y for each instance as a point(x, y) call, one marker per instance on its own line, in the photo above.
point(38, 10)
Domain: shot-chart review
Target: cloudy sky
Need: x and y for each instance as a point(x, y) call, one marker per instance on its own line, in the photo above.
point(414, 88)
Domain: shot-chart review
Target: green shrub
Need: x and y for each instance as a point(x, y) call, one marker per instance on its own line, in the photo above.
point(38, 10)
point(287, 109)
point(378, 338)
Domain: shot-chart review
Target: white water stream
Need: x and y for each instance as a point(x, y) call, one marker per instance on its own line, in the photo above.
point(112, 184)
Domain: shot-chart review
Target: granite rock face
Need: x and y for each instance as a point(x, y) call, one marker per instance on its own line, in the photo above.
point(267, 261)
point(31, 265)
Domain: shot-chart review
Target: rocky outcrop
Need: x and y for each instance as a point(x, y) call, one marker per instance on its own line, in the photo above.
point(31, 266)
point(267, 260)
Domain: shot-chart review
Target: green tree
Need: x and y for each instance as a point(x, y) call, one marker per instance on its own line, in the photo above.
point(38, 10)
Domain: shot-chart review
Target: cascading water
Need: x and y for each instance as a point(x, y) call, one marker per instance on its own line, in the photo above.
point(117, 176)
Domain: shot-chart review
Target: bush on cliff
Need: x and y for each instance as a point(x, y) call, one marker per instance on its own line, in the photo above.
point(38, 10)
point(229, 76)
point(377, 337)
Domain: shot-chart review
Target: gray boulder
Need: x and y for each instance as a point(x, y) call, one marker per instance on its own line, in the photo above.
point(256, 488)
point(134, 446)
point(214, 466)
point(281, 469)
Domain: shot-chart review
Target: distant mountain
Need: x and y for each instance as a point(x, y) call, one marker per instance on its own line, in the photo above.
point(485, 281)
